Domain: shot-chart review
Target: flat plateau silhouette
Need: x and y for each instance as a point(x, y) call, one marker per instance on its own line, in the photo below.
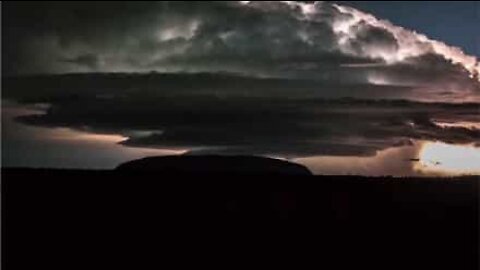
point(246, 165)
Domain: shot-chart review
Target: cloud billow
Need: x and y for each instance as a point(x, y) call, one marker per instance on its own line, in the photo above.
point(319, 40)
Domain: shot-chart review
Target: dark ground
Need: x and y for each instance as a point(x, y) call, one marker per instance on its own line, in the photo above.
point(105, 219)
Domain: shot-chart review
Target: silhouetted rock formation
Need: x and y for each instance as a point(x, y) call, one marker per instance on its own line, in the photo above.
point(215, 165)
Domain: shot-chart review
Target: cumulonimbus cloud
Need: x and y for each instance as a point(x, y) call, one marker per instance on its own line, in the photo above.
point(316, 78)
point(320, 40)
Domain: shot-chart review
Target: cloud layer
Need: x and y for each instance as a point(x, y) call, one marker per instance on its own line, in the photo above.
point(228, 114)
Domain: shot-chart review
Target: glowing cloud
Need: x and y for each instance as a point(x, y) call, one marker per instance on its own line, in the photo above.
point(411, 44)
point(445, 159)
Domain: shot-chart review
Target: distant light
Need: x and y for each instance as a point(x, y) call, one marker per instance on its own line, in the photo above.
point(448, 159)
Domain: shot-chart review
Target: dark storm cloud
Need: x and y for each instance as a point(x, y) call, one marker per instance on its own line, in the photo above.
point(292, 57)
point(372, 38)
point(268, 38)
point(222, 114)
point(89, 61)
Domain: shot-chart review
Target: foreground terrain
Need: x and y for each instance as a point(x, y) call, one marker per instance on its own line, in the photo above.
point(383, 223)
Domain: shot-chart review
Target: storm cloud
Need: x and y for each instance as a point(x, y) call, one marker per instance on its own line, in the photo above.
point(283, 39)
point(270, 77)
point(229, 114)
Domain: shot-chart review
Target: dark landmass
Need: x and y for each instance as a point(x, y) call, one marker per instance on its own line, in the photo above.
point(238, 165)
point(350, 221)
